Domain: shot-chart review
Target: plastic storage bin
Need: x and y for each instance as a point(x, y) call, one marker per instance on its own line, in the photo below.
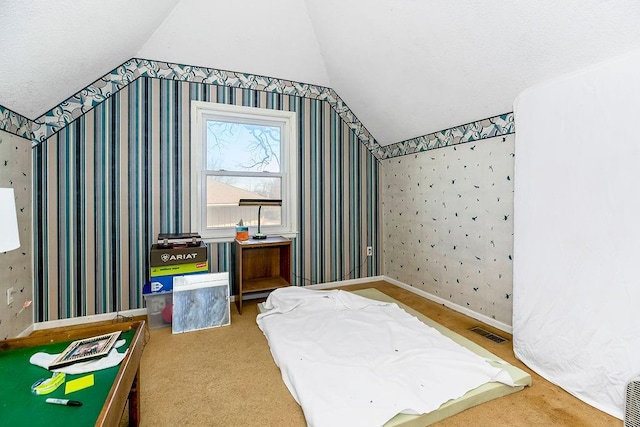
point(159, 309)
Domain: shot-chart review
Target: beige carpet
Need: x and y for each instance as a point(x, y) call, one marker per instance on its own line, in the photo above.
point(226, 377)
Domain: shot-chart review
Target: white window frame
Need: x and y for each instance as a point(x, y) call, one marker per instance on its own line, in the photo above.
point(201, 111)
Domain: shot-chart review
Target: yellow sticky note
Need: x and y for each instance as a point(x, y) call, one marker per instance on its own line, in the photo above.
point(78, 384)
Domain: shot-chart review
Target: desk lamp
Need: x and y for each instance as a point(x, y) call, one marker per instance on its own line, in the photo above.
point(260, 203)
point(9, 238)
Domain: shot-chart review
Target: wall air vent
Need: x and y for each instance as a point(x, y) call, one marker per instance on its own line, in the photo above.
point(488, 335)
point(632, 404)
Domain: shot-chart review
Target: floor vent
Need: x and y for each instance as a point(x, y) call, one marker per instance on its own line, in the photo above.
point(488, 335)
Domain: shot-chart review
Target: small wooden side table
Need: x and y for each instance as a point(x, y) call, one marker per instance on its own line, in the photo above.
point(261, 265)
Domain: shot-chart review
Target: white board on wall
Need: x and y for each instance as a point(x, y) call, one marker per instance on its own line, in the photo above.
point(577, 231)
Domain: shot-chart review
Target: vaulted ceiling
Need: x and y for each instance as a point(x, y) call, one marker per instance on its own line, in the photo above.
point(406, 68)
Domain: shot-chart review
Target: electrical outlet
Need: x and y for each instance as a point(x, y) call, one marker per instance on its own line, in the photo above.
point(9, 296)
point(369, 250)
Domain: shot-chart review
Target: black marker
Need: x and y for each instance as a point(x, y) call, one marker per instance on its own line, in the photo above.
point(66, 402)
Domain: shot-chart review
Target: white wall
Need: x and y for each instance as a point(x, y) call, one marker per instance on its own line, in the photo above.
point(577, 239)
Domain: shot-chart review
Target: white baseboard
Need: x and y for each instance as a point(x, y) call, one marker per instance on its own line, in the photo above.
point(460, 309)
point(88, 319)
point(317, 286)
point(255, 295)
point(143, 311)
point(26, 332)
point(346, 282)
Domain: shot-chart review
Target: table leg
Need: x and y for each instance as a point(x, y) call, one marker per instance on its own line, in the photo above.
point(134, 401)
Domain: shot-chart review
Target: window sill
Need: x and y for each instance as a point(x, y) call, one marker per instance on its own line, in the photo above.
point(230, 239)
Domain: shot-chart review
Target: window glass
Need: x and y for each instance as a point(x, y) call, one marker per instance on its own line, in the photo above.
point(243, 147)
point(224, 192)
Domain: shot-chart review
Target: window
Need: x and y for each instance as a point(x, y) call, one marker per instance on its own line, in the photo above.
point(242, 153)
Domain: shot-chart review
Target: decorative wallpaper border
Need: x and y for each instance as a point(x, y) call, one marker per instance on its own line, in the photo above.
point(83, 101)
point(481, 129)
point(97, 92)
point(94, 94)
point(15, 123)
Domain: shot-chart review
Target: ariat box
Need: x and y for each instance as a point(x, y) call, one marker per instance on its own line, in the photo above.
point(179, 269)
point(159, 309)
point(160, 256)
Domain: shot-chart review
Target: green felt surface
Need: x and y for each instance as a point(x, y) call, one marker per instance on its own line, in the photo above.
point(20, 407)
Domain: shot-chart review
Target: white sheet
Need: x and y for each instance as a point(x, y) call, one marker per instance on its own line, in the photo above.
point(576, 236)
point(112, 359)
point(352, 361)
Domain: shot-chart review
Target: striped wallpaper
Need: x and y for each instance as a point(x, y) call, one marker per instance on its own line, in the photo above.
point(114, 177)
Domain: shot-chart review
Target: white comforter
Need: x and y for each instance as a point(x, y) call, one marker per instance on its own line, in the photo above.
point(353, 361)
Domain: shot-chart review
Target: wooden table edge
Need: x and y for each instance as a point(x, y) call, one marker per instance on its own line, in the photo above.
point(127, 378)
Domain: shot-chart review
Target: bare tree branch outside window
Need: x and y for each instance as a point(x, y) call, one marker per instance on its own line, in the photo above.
point(243, 147)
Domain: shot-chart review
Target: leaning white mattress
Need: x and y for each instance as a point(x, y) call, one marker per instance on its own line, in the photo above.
point(355, 361)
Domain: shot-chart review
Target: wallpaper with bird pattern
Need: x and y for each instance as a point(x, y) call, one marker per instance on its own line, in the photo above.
point(448, 223)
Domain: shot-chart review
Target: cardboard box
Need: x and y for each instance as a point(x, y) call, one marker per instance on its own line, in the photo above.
point(159, 309)
point(180, 269)
point(159, 256)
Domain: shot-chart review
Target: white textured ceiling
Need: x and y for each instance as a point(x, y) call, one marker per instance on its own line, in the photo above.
point(274, 38)
point(412, 67)
point(49, 50)
point(405, 67)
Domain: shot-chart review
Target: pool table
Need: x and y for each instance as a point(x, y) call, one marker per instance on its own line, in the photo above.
point(103, 403)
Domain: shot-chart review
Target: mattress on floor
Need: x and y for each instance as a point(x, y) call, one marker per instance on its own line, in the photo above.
point(479, 395)
point(472, 398)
